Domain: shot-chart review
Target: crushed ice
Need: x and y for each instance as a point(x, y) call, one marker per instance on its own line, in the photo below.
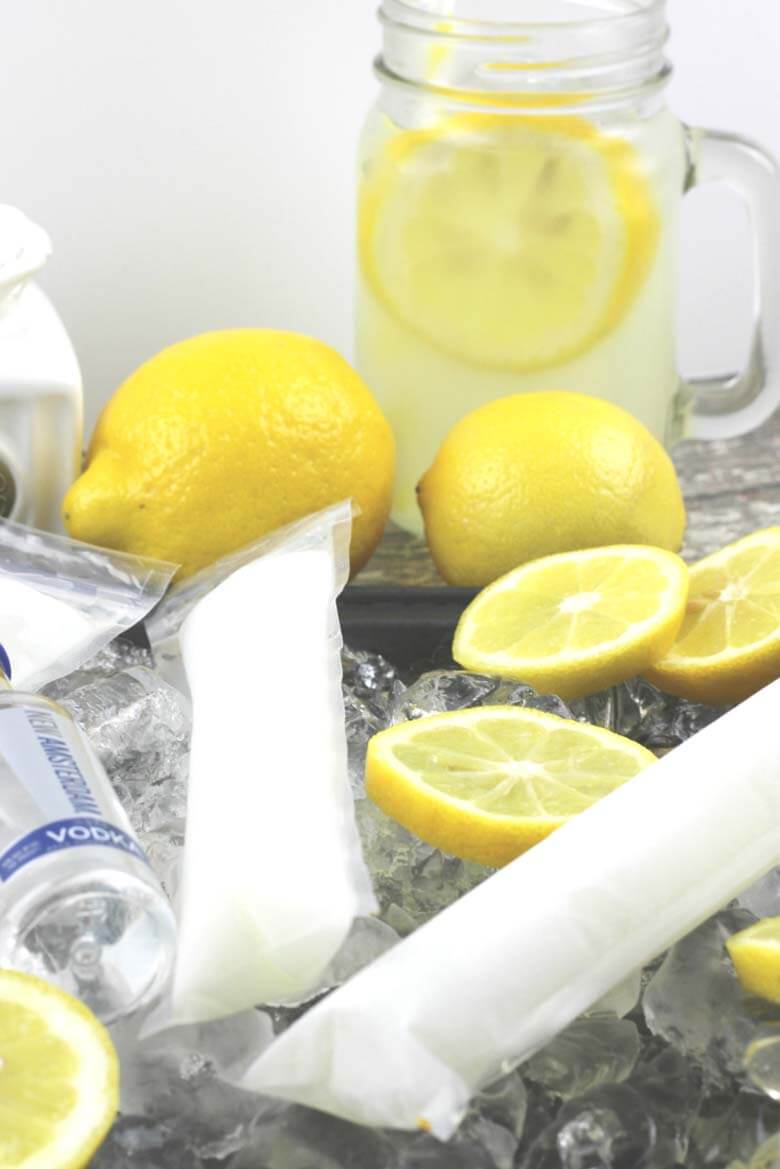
point(687, 1075)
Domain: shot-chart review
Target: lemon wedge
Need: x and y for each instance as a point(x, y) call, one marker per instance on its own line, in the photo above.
point(576, 623)
point(729, 644)
point(755, 953)
point(487, 784)
point(508, 241)
point(58, 1077)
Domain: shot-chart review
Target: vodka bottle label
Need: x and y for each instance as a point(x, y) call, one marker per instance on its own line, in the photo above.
point(59, 797)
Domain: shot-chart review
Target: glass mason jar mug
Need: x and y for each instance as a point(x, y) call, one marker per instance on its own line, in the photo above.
point(520, 187)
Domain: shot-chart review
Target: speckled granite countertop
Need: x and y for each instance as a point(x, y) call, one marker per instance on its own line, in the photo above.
point(731, 488)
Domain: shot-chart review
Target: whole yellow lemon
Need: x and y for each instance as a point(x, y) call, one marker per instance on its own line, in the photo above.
point(531, 475)
point(227, 436)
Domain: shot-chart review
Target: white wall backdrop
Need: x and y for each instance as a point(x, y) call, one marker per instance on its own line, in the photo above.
point(192, 160)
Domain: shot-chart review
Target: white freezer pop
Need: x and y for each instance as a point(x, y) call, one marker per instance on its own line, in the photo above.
point(273, 876)
point(496, 976)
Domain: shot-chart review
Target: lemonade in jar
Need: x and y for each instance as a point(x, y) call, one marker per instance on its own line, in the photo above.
point(520, 188)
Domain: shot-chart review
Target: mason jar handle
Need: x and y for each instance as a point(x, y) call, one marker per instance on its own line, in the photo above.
point(732, 405)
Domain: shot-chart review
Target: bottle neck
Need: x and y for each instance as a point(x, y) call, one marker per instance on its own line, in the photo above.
point(583, 53)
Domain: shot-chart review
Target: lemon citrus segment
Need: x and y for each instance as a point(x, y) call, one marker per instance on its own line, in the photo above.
point(507, 241)
point(755, 953)
point(58, 1077)
point(576, 623)
point(487, 784)
point(729, 644)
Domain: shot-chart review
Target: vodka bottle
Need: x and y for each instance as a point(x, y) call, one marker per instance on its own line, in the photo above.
point(79, 903)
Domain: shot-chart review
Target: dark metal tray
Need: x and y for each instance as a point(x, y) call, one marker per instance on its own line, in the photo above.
point(408, 626)
point(411, 627)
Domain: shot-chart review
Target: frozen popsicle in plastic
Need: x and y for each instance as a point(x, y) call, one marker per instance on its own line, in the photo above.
point(273, 875)
point(496, 976)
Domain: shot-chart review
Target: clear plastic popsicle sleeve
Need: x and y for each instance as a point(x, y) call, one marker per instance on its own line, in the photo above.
point(62, 601)
point(273, 876)
point(164, 624)
point(492, 979)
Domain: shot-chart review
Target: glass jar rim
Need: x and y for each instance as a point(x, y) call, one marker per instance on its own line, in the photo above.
point(598, 52)
point(430, 15)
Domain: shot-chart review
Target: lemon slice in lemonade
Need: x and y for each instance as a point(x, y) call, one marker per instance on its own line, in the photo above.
point(729, 645)
point(58, 1077)
point(507, 241)
point(755, 953)
point(576, 623)
point(487, 784)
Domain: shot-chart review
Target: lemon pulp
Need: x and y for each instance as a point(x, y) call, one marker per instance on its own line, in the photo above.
point(508, 241)
point(58, 1077)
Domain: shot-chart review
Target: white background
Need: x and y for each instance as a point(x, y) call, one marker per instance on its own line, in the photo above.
point(193, 162)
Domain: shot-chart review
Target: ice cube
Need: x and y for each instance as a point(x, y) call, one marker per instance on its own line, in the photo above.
point(505, 1103)
point(645, 714)
point(762, 1058)
point(670, 1087)
point(119, 655)
point(483, 1135)
point(445, 690)
point(134, 1141)
point(768, 1155)
point(546, 703)
point(610, 1128)
point(622, 999)
point(730, 1127)
point(368, 939)
point(140, 728)
point(412, 880)
point(592, 1051)
point(695, 1002)
point(363, 719)
point(763, 898)
point(178, 1082)
point(370, 676)
point(643, 1123)
point(138, 724)
point(297, 1138)
point(477, 1145)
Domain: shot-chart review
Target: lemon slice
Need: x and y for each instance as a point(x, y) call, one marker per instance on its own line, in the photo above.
point(576, 623)
point(487, 784)
point(507, 241)
point(729, 644)
point(58, 1077)
point(755, 953)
